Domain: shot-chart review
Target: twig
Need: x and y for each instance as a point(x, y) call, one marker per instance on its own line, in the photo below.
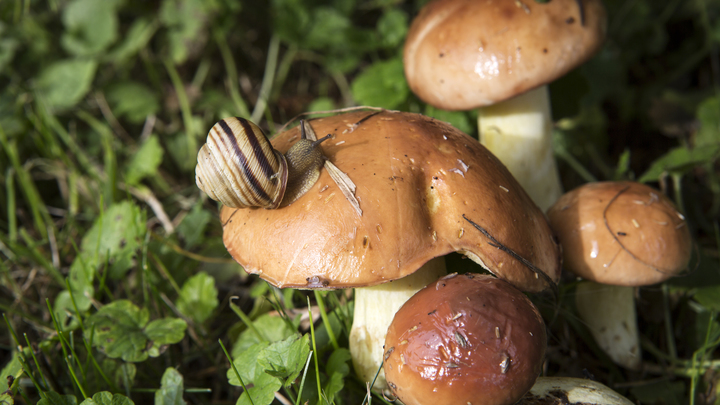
point(525, 262)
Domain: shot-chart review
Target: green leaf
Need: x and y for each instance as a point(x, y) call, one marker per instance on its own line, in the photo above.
point(327, 30)
point(133, 101)
point(12, 368)
point(337, 369)
point(53, 398)
point(192, 227)
point(163, 332)
point(166, 331)
point(709, 297)
point(708, 113)
point(107, 398)
point(171, 389)
point(145, 161)
point(392, 27)
point(285, 359)
point(64, 83)
point(381, 85)
point(185, 20)
point(117, 233)
point(338, 362)
point(321, 104)
point(65, 310)
point(680, 160)
point(137, 37)
point(246, 364)
point(262, 393)
point(122, 331)
point(458, 119)
point(198, 297)
point(623, 165)
point(91, 26)
point(273, 328)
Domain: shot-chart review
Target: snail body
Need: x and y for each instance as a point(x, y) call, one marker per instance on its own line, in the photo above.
point(239, 167)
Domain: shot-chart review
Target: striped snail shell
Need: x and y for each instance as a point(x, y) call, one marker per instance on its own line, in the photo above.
point(239, 167)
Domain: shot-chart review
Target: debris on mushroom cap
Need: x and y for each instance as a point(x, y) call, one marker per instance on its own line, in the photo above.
point(470, 339)
point(464, 54)
point(571, 391)
point(621, 233)
point(413, 205)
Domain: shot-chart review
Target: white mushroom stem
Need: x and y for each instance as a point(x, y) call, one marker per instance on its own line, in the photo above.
point(519, 132)
point(567, 390)
point(375, 308)
point(609, 313)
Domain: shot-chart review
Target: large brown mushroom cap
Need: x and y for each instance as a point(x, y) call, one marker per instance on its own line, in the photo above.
point(465, 340)
point(416, 177)
point(464, 54)
point(621, 233)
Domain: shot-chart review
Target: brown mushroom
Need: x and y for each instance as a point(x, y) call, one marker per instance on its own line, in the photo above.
point(622, 234)
point(465, 339)
point(416, 179)
point(499, 55)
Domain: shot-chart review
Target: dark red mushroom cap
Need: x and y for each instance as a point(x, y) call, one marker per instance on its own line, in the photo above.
point(465, 339)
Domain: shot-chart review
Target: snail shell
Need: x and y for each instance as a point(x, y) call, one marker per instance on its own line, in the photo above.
point(239, 167)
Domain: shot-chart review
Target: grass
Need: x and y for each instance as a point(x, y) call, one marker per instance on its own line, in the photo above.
point(113, 277)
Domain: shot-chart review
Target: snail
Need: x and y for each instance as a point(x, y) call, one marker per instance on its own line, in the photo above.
point(239, 167)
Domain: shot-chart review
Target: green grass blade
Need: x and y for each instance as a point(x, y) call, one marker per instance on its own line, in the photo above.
point(232, 364)
point(312, 337)
point(325, 319)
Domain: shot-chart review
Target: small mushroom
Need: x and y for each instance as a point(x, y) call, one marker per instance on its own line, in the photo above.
point(499, 56)
point(469, 339)
point(571, 391)
point(617, 236)
point(413, 212)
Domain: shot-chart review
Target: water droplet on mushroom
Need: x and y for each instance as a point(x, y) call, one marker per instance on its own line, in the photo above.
point(497, 332)
point(458, 171)
point(635, 223)
point(594, 251)
point(505, 363)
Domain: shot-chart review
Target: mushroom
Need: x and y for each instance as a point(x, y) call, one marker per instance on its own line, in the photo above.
point(417, 179)
point(571, 391)
point(618, 235)
point(465, 339)
point(499, 55)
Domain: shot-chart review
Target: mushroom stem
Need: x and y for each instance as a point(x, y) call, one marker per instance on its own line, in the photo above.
point(375, 308)
point(609, 313)
point(519, 132)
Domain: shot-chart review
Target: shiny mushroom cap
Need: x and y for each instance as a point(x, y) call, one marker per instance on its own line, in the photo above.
point(465, 339)
point(416, 178)
point(621, 233)
point(464, 54)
